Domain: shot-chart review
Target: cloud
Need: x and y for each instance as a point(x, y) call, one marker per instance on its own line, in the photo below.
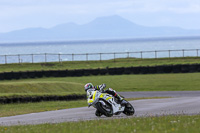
point(193, 8)
point(176, 6)
point(23, 7)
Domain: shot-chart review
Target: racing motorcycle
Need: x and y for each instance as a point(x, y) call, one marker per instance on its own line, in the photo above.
point(107, 105)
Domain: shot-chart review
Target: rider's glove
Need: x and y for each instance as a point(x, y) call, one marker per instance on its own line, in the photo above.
point(102, 86)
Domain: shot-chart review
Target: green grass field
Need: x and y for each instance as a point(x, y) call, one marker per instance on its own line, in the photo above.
point(125, 62)
point(71, 85)
point(162, 124)
point(74, 85)
point(46, 86)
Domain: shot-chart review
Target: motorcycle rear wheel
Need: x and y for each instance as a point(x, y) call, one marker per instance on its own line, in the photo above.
point(107, 111)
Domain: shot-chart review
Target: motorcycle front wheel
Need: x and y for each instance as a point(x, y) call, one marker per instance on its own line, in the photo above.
point(104, 109)
point(129, 109)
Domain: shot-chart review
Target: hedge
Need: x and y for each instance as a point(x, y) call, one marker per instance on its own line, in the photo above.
point(25, 99)
point(186, 68)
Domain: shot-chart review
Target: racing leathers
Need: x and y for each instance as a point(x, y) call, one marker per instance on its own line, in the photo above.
point(109, 91)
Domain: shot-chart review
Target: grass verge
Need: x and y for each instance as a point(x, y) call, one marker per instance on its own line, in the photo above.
point(166, 124)
point(25, 108)
point(124, 62)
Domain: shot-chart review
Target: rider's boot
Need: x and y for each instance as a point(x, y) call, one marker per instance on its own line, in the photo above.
point(119, 98)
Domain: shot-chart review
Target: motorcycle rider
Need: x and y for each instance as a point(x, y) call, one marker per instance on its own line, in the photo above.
point(90, 87)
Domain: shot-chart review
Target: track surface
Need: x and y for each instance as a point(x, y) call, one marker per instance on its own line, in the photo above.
point(161, 94)
point(187, 104)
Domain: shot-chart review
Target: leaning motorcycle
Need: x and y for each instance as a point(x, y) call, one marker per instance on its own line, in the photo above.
point(107, 105)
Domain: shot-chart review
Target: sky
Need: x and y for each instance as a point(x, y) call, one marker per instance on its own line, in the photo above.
point(20, 14)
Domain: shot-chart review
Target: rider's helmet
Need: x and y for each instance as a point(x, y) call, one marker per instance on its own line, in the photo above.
point(88, 86)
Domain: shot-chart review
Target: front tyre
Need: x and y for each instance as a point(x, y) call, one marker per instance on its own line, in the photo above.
point(129, 110)
point(104, 109)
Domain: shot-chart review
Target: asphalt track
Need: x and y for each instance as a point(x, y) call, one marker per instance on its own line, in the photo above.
point(183, 102)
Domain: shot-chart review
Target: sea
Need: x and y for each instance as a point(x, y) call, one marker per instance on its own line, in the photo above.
point(52, 51)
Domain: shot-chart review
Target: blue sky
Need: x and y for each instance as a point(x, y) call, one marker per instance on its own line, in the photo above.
point(19, 14)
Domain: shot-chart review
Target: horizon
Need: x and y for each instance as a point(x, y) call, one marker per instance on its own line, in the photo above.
point(109, 40)
point(17, 15)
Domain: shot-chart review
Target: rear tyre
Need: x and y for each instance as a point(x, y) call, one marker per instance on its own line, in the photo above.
point(129, 110)
point(104, 109)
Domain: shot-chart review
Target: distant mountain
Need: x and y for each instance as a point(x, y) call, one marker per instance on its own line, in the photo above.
point(111, 27)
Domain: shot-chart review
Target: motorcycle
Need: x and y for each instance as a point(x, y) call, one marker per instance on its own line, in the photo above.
point(107, 105)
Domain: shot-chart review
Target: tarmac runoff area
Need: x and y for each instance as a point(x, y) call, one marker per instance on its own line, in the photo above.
point(183, 102)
